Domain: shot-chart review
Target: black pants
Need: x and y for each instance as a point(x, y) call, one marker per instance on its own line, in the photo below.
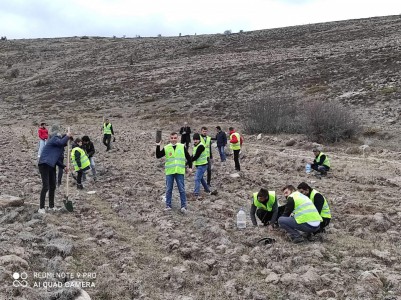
point(48, 175)
point(326, 221)
point(265, 216)
point(209, 172)
point(236, 160)
point(320, 168)
point(185, 140)
point(107, 140)
point(80, 174)
point(59, 175)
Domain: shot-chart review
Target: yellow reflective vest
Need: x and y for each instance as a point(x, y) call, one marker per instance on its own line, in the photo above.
point(202, 159)
point(325, 213)
point(107, 128)
point(269, 204)
point(304, 209)
point(237, 145)
point(206, 143)
point(83, 158)
point(326, 161)
point(175, 159)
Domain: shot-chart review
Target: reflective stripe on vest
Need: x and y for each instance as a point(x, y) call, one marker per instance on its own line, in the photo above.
point(237, 145)
point(325, 212)
point(107, 128)
point(326, 161)
point(269, 205)
point(206, 143)
point(202, 159)
point(175, 159)
point(304, 209)
point(84, 159)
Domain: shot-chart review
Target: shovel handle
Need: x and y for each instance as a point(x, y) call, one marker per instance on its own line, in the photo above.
point(68, 161)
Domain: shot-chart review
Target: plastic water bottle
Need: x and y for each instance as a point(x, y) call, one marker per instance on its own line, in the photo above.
point(308, 168)
point(241, 219)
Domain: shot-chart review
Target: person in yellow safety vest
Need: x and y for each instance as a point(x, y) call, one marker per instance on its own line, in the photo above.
point(80, 161)
point(320, 202)
point(321, 163)
point(108, 131)
point(207, 142)
point(265, 206)
point(235, 145)
point(176, 155)
point(300, 215)
point(199, 160)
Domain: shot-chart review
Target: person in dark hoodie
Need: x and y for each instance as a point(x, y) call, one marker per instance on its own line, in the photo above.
point(89, 148)
point(221, 139)
point(52, 155)
point(80, 161)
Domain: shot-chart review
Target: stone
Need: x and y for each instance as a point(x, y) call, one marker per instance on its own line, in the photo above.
point(13, 259)
point(10, 201)
point(272, 278)
point(327, 293)
point(259, 137)
point(234, 175)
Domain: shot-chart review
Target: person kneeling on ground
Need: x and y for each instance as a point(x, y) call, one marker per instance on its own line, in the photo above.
point(300, 215)
point(320, 203)
point(80, 161)
point(265, 206)
point(321, 163)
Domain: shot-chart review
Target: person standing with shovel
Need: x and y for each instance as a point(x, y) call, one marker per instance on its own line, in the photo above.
point(51, 156)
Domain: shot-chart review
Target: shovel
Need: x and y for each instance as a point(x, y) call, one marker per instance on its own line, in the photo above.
point(68, 203)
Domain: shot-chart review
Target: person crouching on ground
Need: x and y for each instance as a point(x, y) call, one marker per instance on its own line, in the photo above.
point(80, 161)
point(265, 206)
point(321, 163)
point(300, 215)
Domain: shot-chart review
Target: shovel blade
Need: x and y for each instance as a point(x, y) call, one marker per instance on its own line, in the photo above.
point(68, 205)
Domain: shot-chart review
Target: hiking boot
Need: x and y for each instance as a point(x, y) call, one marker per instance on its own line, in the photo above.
point(80, 187)
point(183, 210)
point(213, 193)
point(298, 240)
point(41, 211)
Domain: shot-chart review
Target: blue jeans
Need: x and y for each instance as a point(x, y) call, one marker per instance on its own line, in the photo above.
point(293, 228)
point(179, 179)
point(222, 153)
point(200, 170)
point(42, 144)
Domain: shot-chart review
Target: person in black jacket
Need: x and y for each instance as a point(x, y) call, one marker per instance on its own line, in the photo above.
point(185, 132)
point(89, 148)
point(221, 139)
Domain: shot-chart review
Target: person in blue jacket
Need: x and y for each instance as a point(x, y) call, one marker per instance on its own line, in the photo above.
point(52, 155)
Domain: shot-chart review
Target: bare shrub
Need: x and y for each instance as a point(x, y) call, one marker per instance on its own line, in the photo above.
point(329, 122)
point(272, 115)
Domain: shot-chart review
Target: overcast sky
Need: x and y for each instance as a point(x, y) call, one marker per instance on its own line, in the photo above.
point(62, 18)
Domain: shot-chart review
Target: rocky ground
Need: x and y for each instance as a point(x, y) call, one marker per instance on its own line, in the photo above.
point(121, 238)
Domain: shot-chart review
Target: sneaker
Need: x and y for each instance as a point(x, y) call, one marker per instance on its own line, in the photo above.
point(80, 187)
point(192, 197)
point(41, 211)
point(183, 210)
point(53, 209)
point(214, 193)
point(168, 208)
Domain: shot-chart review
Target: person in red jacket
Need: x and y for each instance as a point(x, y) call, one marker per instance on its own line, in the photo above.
point(43, 136)
point(235, 144)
